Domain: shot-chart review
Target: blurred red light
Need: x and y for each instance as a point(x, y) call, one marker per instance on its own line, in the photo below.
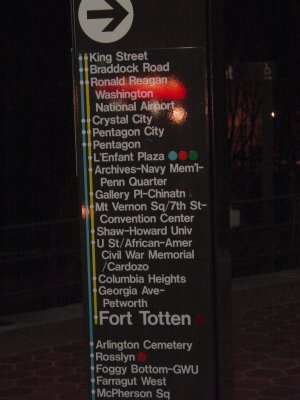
point(173, 90)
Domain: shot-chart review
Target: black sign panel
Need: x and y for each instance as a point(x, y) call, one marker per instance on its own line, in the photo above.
point(144, 150)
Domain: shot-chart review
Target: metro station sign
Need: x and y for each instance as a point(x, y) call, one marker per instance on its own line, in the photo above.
point(144, 149)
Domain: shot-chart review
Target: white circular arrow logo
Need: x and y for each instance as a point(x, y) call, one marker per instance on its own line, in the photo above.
point(105, 21)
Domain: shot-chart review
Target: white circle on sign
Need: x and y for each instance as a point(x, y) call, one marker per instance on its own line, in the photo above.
point(105, 21)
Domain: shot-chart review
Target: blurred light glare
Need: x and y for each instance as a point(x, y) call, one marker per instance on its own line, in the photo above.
point(155, 108)
point(178, 115)
point(173, 90)
point(273, 114)
point(84, 211)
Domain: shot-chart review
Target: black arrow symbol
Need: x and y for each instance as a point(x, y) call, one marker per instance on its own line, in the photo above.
point(118, 13)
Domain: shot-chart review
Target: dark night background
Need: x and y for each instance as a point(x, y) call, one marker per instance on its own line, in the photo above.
point(37, 141)
point(37, 146)
point(40, 265)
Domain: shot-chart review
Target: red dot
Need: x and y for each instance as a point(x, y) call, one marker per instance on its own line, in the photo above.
point(182, 155)
point(141, 357)
point(199, 320)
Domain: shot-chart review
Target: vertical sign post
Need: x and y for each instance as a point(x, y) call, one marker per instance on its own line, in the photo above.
point(145, 145)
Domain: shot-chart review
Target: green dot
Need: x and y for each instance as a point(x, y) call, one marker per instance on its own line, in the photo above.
point(193, 155)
